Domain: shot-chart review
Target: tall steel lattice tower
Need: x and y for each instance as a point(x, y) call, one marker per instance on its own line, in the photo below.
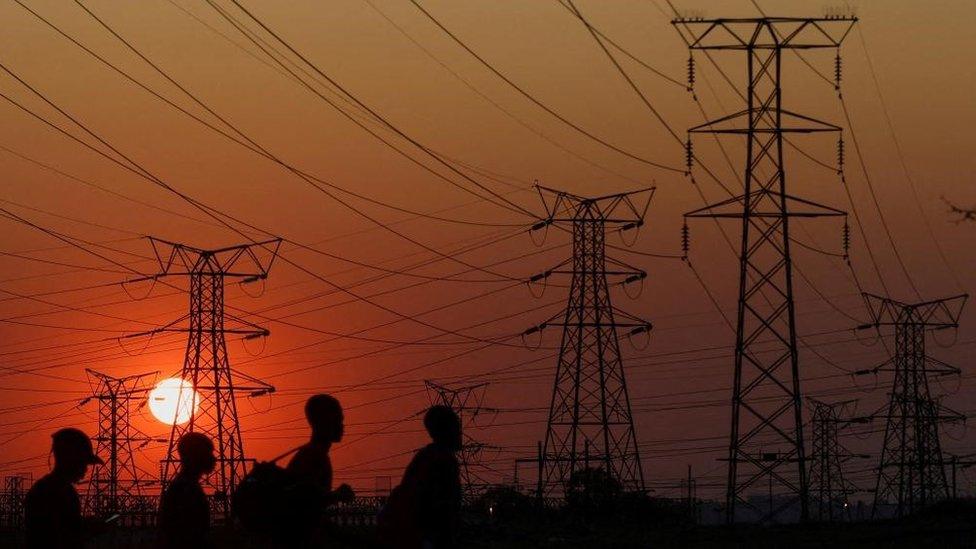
point(467, 402)
point(829, 489)
point(590, 420)
point(116, 484)
point(911, 473)
point(206, 365)
point(766, 439)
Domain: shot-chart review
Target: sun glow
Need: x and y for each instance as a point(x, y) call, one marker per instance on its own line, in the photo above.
point(173, 401)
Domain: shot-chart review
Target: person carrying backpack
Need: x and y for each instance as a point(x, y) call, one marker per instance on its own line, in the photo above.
point(288, 504)
point(423, 512)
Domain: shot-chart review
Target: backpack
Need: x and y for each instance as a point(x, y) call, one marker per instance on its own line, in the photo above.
point(271, 501)
point(259, 501)
point(397, 521)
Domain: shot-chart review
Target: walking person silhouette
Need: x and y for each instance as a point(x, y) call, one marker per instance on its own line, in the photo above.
point(310, 469)
point(52, 508)
point(423, 512)
point(184, 514)
point(312, 463)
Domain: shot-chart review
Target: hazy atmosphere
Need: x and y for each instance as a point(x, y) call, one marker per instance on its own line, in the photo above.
point(396, 148)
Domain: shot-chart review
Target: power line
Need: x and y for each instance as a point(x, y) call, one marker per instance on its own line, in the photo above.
point(488, 99)
point(536, 101)
point(210, 211)
point(506, 203)
point(902, 162)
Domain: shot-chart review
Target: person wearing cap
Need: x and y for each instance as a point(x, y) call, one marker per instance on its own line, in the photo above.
point(184, 514)
point(52, 508)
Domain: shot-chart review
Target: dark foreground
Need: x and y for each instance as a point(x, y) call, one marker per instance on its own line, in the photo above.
point(945, 525)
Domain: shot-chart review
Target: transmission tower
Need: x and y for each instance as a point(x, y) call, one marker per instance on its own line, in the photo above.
point(911, 473)
point(116, 484)
point(467, 402)
point(590, 419)
point(829, 489)
point(766, 438)
point(206, 365)
point(12, 495)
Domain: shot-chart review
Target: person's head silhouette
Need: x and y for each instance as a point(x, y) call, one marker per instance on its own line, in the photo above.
point(324, 415)
point(444, 426)
point(73, 453)
point(196, 452)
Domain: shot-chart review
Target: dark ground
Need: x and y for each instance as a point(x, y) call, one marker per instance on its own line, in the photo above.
point(947, 525)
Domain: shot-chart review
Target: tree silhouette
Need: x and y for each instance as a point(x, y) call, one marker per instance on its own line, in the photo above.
point(964, 214)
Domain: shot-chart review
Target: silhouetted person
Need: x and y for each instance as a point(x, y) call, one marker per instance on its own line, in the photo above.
point(310, 471)
point(184, 515)
point(311, 464)
point(424, 509)
point(52, 508)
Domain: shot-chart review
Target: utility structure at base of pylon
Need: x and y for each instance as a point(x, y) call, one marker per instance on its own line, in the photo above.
point(13, 492)
point(590, 419)
point(830, 491)
point(911, 472)
point(766, 436)
point(468, 403)
point(115, 485)
point(206, 365)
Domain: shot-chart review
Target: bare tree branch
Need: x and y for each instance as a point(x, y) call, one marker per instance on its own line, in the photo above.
point(964, 214)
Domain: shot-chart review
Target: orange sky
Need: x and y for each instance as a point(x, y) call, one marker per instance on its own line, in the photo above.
point(921, 54)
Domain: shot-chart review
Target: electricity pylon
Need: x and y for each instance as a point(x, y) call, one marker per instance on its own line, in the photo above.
point(12, 495)
point(467, 402)
point(911, 473)
point(590, 419)
point(766, 438)
point(206, 365)
point(117, 483)
point(829, 489)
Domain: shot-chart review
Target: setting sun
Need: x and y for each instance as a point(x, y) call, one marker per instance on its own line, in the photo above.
point(173, 401)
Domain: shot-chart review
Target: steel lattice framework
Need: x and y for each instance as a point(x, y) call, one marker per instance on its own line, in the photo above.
point(766, 439)
point(829, 489)
point(206, 365)
point(116, 484)
point(911, 472)
point(13, 491)
point(467, 402)
point(590, 419)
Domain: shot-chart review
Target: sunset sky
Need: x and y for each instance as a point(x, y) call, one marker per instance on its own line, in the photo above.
point(908, 80)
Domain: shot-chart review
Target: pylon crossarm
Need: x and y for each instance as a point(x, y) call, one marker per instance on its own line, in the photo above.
point(600, 272)
point(625, 269)
point(940, 368)
point(943, 313)
point(612, 209)
point(631, 320)
point(188, 260)
point(168, 327)
point(726, 124)
point(886, 366)
point(763, 33)
point(939, 313)
point(258, 384)
point(708, 211)
point(815, 209)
